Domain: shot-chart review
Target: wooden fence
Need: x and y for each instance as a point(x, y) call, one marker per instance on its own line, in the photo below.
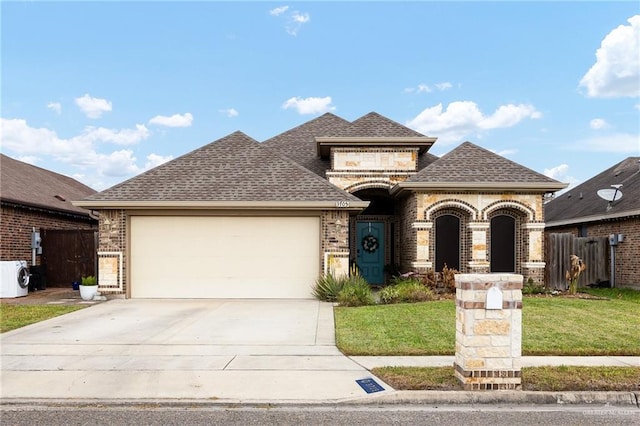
point(593, 251)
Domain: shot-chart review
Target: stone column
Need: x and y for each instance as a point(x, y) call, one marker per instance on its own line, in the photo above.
point(489, 331)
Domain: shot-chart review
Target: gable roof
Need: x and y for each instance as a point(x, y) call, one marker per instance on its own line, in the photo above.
point(582, 203)
point(471, 167)
point(234, 171)
point(374, 125)
point(299, 143)
point(369, 130)
point(27, 185)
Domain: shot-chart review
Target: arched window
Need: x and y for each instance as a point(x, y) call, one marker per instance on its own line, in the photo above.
point(447, 242)
point(503, 243)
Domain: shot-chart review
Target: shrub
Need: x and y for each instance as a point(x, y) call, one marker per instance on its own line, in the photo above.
point(356, 291)
point(355, 294)
point(406, 290)
point(327, 287)
point(532, 287)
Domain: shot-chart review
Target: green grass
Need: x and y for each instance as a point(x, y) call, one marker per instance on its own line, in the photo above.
point(554, 379)
point(16, 316)
point(551, 326)
point(407, 329)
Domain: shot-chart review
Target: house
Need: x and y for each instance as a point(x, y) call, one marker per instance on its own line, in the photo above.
point(582, 212)
point(37, 202)
point(238, 218)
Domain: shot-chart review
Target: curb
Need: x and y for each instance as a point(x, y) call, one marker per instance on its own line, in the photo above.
point(629, 399)
point(506, 397)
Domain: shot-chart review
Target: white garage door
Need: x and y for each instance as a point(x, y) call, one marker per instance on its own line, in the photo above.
point(224, 257)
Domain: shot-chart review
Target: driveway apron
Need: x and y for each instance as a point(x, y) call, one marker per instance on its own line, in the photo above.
point(234, 350)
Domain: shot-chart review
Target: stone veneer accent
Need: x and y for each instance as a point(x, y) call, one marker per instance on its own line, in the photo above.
point(488, 341)
point(335, 241)
point(475, 211)
point(112, 237)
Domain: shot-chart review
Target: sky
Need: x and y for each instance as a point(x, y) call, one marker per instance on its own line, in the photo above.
point(102, 91)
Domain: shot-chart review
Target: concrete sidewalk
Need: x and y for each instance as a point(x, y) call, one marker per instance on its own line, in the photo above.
point(370, 362)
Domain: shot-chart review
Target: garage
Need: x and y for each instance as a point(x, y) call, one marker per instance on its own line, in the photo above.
point(224, 256)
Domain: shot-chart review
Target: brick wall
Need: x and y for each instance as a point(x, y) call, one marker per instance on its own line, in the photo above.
point(112, 237)
point(16, 226)
point(627, 253)
point(408, 241)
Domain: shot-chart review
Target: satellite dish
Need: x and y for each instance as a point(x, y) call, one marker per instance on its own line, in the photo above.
point(610, 194)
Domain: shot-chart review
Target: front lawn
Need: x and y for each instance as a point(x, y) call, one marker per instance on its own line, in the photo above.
point(552, 379)
point(551, 326)
point(16, 316)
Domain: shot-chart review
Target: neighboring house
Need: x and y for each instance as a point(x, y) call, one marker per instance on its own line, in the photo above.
point(38, 200)
point(238, 218)
point(582, 213)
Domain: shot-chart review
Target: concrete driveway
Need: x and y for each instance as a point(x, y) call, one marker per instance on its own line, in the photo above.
point(232, 350)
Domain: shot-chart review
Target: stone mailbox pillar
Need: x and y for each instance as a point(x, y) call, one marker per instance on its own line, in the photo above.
point(489, 331)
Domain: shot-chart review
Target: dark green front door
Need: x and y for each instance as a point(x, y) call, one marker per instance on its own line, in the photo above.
point(370, 251)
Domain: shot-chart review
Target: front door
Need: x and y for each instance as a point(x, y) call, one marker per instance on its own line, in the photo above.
point(370, 251)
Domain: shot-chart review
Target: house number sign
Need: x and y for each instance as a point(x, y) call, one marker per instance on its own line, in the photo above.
point(342, 204)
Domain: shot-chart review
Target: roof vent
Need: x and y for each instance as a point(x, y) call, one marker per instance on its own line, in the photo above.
point(60, 197)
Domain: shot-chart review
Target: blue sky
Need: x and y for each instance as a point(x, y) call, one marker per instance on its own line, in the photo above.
point(102, 91)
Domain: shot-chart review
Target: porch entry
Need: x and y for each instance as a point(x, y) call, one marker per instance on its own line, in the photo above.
point(370, 251)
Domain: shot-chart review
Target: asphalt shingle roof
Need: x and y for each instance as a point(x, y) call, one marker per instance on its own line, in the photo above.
point(299, 144)
point(469, 163)
point(233, 168)
point(374, 125)
point(25, 184)
point(583, 200)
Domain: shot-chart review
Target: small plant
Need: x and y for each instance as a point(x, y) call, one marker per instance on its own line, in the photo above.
point(406, 290)
point(356, 290)
point(327, 287)
point(89, 280)
point(449, 278)
point(532, 287)
point(355, 293)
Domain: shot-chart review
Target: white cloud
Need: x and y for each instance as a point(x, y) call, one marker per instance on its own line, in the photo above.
point(598, 124)
point(561, 174)
point(79, 150)
point(55, 106)
point(464, 118)
point(616, 72)
point(93, 107)
point(176, 120)
point(294, 20)
point(154, 160)
point(505, 152)
point(425, 88)
point(120, 137)
point(444, 86)
point(620, 143)
point(309, 105)
point(229, 112)
point(278, 10)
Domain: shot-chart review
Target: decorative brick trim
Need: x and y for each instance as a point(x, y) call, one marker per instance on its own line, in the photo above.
point(502, 285)
point(479, 226)
point(452, 203)
point(534, 265)
point(534, 226)
point(502, 374)
point(506, 304)
point(422, 225)
point(502, 204)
